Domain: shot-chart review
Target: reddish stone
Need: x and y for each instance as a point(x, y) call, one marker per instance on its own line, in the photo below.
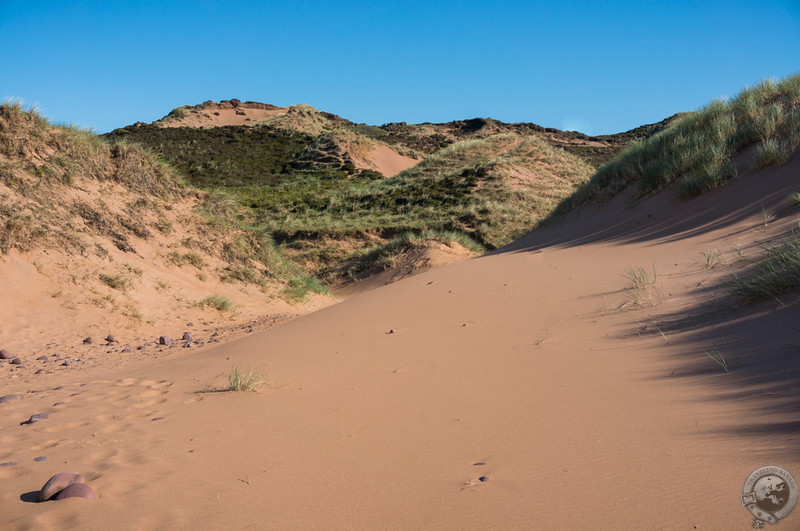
point(77, 490)
point(57, 483)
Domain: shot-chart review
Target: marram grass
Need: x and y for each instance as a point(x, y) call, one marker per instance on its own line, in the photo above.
point(697, 151)
point(245, 380)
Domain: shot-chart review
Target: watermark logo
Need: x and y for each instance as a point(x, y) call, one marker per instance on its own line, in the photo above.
point(770, 494)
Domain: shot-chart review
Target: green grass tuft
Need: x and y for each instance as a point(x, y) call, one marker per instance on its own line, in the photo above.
point(218, 302)
point(299, 288)
point(245, 380)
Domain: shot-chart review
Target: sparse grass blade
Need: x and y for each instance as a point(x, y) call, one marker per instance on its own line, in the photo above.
point(718, 358)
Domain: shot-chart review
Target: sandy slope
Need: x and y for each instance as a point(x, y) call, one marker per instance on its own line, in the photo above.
point(383, 159)
point(530, 367)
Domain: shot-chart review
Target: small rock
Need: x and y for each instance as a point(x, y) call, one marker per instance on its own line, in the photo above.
point(110, 338)
point(77, 490)
point(483, 479)
point(164, 340)
point(57, 483)
point(8, 463)
point(189, 324)
point(42, 358)
point(88, 341)
point(9, 398)
point(34, 418)
point(391, 331)
point(15, 361)
point(40, 371)
point(40, 458)
point(126, 350)
point(187, 336)
point(5, 355)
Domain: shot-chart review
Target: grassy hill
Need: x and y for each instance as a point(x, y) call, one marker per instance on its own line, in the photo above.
point(301, 173)
point(68, 191)
point(700, 151)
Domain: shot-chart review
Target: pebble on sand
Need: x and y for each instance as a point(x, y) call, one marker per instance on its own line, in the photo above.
point(9, 398)
point(88, 341)
point(111, 338)
point(165, 340)
point(5, 355)
point(187, 336)
point(15, 361)
point(40, 458)
point(35, 418)
point(57, 483)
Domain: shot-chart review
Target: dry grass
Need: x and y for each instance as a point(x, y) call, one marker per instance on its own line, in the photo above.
point(245, 380)
point(218, 302)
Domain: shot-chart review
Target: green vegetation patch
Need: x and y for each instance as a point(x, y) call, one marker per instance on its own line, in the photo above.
point(220, 156)
point(218, 302)
point(494, 189)
point(697, 150)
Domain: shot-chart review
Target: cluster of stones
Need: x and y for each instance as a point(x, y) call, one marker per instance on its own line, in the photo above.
point(66, 485)
point(10, 358)
point(47, 364)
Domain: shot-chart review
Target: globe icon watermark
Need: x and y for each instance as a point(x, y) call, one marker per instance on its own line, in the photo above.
point(770, 494)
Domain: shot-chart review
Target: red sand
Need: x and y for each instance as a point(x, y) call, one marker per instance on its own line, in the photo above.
point(531, 367)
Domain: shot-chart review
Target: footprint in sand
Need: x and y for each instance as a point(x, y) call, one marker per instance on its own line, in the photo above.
point(66, 426)
point(52, 443)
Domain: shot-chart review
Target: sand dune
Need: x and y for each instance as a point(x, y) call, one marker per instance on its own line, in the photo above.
point(582, 404)
point(383, 159)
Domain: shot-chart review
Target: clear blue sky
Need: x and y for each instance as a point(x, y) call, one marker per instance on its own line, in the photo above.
point(598, 67)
